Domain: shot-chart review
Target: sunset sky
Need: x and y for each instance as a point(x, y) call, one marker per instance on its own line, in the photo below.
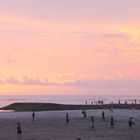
point(70, 47)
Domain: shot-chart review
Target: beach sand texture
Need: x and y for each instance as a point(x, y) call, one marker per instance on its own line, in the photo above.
point(50, 125)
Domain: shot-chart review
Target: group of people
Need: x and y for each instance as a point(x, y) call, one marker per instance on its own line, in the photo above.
point(130, 121)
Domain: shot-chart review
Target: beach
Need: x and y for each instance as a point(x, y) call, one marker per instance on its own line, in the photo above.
point(51, 125)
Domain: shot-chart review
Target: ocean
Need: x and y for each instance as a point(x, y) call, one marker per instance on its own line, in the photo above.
point(61, 99)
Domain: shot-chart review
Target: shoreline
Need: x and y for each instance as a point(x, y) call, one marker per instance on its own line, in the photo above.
point(56, 107)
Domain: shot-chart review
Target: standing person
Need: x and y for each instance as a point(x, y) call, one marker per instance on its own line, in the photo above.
point(67, 118)
point(103, 116)
point(19, 131)
point(33, 115)
point(112, 122)
point(92, 121)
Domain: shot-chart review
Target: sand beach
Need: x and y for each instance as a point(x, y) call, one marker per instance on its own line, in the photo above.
point(51, 125)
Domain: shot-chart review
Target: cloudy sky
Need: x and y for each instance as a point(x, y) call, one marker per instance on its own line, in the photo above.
point(70, 47)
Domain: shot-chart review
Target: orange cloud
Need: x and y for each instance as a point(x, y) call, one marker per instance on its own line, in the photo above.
point(66, 53)
point(133, 32)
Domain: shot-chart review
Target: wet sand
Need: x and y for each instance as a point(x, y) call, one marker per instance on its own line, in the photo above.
point(50, 125)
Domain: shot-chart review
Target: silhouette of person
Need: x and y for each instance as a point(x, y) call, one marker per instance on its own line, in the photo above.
point(84, 114)
point(112, 121)
point(131, 122)
point(67, 118)
point(103, 116)
point(92, 121)
point(19, 131)
point(33, 116)
point(78, 138)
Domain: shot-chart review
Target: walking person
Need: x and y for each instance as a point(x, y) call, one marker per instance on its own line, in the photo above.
point(103, 116)
point(84, 114)
point(112, 122)
point(19, 131)
point(131, 122)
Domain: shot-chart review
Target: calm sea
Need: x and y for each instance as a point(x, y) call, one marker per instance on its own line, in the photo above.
point(78, 99)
